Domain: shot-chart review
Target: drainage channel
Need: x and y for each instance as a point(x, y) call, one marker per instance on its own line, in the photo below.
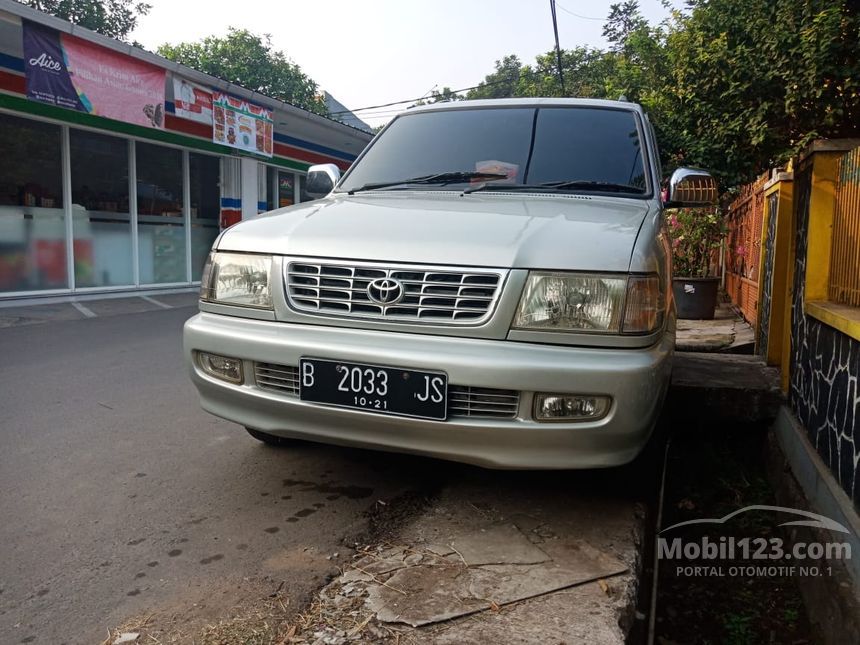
point(703, 590)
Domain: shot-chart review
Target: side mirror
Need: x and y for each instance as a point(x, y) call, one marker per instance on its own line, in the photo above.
point(692, 187)
point(321, 179)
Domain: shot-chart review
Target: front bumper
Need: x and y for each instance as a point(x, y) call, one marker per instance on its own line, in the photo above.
point(636, 379)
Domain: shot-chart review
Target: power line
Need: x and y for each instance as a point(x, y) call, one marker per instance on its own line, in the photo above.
point(465, 89)
point(382, 105)
point(578, 15)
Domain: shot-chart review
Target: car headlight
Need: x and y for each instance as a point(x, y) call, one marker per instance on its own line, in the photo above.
point(240, 279)
point(580, 302)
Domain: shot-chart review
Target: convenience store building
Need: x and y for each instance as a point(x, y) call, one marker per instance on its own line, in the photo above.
point(118, 168)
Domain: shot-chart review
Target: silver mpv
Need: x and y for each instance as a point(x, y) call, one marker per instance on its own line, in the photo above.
point(488, 283)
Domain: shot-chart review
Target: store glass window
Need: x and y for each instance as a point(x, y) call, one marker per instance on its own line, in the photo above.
point(100, 212)
point(205, 178)
point(160, 221)
point(32, 223)
point(280, 188)
point(303, 195)
point(286, 189)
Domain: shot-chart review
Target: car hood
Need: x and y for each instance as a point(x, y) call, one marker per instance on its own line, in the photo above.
point(535, 231)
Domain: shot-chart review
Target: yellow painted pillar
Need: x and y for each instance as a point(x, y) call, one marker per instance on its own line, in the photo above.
point(822, 206)
point(781, 185)
point(824, 156)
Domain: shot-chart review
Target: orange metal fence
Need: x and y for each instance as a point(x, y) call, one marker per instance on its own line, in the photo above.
point(743, 248)
point(844, 287)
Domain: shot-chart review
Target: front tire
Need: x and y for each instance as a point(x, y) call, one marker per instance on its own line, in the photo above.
point(270, 439)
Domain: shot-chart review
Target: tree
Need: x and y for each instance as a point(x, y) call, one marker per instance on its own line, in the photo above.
point(730, 85)
point(502, 83)
point(446, 95)
point(249, 60)
point(751, 83)
point(623, 21)
point(586, 71)
point(114, 18)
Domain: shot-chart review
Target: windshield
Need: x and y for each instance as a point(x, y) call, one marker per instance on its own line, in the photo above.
point(557, 149)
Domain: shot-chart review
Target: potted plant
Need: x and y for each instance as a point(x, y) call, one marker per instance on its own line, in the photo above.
point(696, 237)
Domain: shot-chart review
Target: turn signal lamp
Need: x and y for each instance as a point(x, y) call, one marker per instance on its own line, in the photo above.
point(645, 305)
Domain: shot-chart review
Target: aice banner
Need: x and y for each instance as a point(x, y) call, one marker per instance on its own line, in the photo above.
point(240, 124)
point(192, 101)
point(68, 72)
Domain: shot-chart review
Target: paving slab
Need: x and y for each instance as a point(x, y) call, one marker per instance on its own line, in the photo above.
point(499, 544)
point(727, 332)
point(427, 594)
point(506, 566)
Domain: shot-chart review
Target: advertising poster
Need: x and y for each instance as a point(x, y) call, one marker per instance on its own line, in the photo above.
point(68, 72)
point(192, 101)
point(286, 194)
point(240, 124)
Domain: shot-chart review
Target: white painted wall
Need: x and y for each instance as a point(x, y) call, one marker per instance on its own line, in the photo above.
point(249, 188)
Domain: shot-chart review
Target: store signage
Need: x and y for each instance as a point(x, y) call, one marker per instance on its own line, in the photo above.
point(240, 124)
point(192, 101)
point(69, 72)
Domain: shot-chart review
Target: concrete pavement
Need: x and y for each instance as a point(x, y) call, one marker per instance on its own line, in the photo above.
point(727, 332)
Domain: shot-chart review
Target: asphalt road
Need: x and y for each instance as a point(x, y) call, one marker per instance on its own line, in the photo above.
point(121, 497)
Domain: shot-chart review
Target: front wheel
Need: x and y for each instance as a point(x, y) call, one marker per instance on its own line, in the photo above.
point(270, 439)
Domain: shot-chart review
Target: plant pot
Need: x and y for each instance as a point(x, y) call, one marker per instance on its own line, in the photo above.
point(695, 298)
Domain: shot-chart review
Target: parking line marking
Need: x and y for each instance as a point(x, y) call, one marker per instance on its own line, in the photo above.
point(86, 312)
point(156, 302)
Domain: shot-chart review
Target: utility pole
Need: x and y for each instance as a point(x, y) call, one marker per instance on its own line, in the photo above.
point(557, 48)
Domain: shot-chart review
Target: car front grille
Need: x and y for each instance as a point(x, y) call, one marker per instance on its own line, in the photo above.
point(281, 378)
point(463, 400)
point(482, 402)
point(436, 295)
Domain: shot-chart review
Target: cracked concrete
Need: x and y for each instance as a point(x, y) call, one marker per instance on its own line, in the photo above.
point(727, 332)
point(478, 567)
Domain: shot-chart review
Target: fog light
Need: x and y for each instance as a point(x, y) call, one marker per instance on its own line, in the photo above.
point(570, 407)
point(221, 367)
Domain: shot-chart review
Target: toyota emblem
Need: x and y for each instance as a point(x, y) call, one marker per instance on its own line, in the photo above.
point(385, 291)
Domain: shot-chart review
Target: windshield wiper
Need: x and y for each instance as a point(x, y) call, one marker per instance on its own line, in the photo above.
point(555, 186)
point(607, 186)
point(510, 187)
point(438, 178)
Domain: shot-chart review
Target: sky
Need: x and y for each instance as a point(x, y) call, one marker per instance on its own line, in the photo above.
point(370, 52)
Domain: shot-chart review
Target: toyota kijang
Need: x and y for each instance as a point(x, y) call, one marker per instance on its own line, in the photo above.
point(489, 283)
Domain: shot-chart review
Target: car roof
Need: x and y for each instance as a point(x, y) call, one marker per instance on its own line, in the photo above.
point(526, 102)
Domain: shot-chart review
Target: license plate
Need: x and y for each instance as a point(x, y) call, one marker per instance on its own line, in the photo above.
point(374, 388)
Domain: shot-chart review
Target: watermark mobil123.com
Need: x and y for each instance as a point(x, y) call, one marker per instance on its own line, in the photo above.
point(729, 555)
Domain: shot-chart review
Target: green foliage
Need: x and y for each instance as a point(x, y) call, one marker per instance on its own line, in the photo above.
point(447, 94)
point(623, 21)
point(249, 60)
point(696, 235)
point(731, 85)
point(754, 82)
point(114, 18)
point(502, 83)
